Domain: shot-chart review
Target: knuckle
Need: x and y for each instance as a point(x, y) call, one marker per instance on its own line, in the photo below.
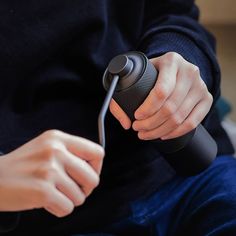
point(192, 71)
point(65, 212)
point(100, 157)
point(52, 148)
point(177, 120)
point(161, 92)
point(94, 182)
point(146, 125)
point(169, 108)
point(195, 70)
point(100, 153)
point(203, 86)
point(80, 201)
point(172, 57)
point(46, 172)
point(49, 202)
point(90, 184)
point(210, 98)
point(62, 212)
point(143, 125)
point(50, 145)
point(191, 125)
point(51, 134)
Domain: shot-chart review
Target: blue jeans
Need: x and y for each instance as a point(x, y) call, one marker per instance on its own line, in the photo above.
point(196, 206)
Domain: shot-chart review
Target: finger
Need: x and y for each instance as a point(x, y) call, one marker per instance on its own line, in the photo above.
point(81, 172)
point(119, 114)
point(70, 189)
point(86, 150)
point(174, 120)
point(193, 120)
point(170, 106)
point(58, 204)
point(162, 90)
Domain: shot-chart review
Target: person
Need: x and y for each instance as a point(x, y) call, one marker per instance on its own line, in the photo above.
point(55, 179)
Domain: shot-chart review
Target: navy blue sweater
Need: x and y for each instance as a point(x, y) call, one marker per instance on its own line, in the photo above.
point(52, 58)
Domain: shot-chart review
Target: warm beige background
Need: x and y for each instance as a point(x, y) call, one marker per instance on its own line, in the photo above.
point(218, 11)
point(219, 16)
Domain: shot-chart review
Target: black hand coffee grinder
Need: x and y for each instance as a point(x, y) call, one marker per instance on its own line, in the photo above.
point(128, 79)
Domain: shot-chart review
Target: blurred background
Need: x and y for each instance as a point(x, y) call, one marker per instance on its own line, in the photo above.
point(219, 17)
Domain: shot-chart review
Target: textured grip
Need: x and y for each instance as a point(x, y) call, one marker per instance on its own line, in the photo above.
point(132, 97)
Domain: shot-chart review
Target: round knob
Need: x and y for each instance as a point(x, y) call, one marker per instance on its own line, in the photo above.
point(120, 65)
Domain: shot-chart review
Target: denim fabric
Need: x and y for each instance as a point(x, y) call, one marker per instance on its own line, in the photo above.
point(200, 205)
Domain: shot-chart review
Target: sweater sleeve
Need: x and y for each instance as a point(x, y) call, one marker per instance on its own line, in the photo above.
point(8, 221)
point(172, 26)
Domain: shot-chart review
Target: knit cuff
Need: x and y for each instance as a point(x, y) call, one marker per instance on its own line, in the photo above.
point(161, 43)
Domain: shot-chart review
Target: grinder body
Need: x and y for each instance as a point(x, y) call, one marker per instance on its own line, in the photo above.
point(188, 154)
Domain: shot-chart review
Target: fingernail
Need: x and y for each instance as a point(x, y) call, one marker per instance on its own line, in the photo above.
point(125, 125)
point(134, 127)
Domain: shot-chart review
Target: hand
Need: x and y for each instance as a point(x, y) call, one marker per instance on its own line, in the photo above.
point(176, 105)
point(55, 171)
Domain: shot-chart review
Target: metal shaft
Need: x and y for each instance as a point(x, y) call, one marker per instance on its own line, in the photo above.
point(102, 114)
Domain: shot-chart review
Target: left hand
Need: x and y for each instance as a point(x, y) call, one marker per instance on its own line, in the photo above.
point(177, 104)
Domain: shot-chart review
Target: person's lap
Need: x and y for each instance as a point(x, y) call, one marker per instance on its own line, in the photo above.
point(200, 205)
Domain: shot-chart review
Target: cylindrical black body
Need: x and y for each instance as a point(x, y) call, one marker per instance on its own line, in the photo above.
point(188, 154)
